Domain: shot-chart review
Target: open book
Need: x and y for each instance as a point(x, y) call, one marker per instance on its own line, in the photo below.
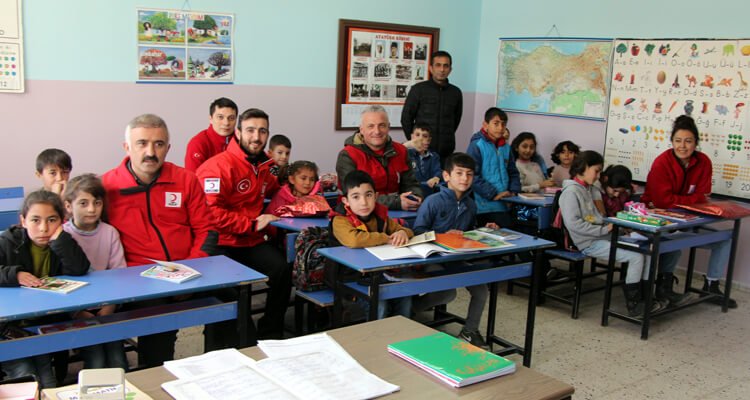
point(58, 285)
point(387, 252)
point(502, 234)
point(443, 243)
point(171, 272)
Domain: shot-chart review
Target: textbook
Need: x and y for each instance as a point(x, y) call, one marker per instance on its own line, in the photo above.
point(502, 234)
point(387, 252)
point(531, 196)
point(642, 219)
point(470, 241)
point(70, 392)
point(451, 360)
point(423, 238)
point(673, 215)
point(171, 272)
point(58, 285)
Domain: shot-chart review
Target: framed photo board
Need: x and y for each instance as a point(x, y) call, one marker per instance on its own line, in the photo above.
point(377, 64)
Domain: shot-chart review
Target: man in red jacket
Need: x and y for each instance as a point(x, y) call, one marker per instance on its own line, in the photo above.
point(159, 210)
point(214, 139)
point(235, 183)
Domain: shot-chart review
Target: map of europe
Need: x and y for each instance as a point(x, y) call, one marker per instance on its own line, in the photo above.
point(561, 77)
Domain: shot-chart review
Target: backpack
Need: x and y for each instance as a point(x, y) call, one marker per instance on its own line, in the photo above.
point(559, 234)
point(308, 271)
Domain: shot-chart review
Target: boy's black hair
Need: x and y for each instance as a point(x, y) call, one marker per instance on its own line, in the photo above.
point(441, 53)
point(54, 157)
point(222, 102)
point(279, 140)
point(252, 113)
point(685, 122)
point(459, 159)
point(355, 179)
point(493, 112)
point(562, 146)
point(519, 139)
point(423, 126)
point(43, 197)
point(584, 160)
point(617, 176)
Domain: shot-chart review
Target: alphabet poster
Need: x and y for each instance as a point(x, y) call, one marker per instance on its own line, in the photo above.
point(655, 81)
point(179, 45)
point(11, 47)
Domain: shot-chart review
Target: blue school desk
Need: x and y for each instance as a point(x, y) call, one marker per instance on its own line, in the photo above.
point(125, 285)
point(543, 206)
point(480, 272)
point(11, 200)
point(663, 239)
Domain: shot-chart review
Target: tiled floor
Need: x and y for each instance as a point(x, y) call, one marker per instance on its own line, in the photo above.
point(697, 353)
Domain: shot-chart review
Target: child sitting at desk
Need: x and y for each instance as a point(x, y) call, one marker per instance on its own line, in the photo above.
point(591, 234)
point(301, 191)
point(84, 201)
point(616, 188)
point(426, 163)
point(450, 210)
point(38, 248)
point(279, 149)
point(533, 175)
point(563, 156)
point(360, 221)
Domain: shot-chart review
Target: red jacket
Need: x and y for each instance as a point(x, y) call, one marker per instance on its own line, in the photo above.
point(386, 180)
point(206, 144)
point(167, 220)
point(669, 183)
point(235, 190)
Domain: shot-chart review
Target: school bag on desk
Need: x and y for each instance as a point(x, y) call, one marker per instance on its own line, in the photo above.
point(308, 272)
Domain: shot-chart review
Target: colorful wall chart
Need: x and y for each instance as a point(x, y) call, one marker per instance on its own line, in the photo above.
point(11, 47)
point(179, 45)
point(655, 81)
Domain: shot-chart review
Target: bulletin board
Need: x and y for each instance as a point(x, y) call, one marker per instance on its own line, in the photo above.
point(656, 80)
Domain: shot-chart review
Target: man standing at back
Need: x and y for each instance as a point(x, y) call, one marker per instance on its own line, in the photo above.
point(437, 103)
point(214, 139)
point(235, 183)
point(159, 210)
point(371, 149)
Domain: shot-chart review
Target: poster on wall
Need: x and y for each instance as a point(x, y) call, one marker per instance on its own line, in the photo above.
point(566, 77)
point(11, 47)
point(656, 80)
point(378, 63)
point(185, 46)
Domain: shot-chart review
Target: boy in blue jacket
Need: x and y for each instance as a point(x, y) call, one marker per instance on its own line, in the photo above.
point(424, 162)
point(453, 210)
point(496, 175)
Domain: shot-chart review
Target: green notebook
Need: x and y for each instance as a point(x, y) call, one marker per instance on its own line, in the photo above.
point(452, 360)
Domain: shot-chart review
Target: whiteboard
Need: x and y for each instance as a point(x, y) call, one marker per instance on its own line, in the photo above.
point(654, 81)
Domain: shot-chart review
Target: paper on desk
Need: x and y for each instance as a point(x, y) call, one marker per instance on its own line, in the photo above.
point(207, 363)
point(324, 375)
point(320, 342)
point(241, 382)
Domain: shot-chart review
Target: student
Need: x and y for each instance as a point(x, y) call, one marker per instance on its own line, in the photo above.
point(453, 209)
point(84, 202)
point(279, 149)
point(53, 169)
point(563, 156)
point(38, 248)
point(682, 175)
point(360, 221)
point(495, 177)
point(214, 139)
point(616, 188)
point(302, 180)
point(426, 163)
point(531, 166)
point(591, 235)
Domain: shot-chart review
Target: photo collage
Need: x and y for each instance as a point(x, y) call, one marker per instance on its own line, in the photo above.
point(176, 45)
point(384, 64)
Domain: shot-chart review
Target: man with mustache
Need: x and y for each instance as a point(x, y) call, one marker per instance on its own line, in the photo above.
point(235, 183)
point(159, 210)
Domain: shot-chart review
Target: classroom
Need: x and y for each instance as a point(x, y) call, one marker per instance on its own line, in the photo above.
point(81, 92)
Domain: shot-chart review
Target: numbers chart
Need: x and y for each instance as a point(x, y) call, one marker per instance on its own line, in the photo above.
point(655, 81)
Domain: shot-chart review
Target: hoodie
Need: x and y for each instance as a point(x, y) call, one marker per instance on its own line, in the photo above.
point(581, 217)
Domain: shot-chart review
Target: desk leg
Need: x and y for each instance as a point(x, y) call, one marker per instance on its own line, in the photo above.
point(531, 312)
point(690, 269)
point(491, 310)
point(245, 325)
point(374, 297)
point(338, 307)
point(730, 267)
point(648, 296)
point(610, 275)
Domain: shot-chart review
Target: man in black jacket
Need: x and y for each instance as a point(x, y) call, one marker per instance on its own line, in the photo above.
point(437, 103)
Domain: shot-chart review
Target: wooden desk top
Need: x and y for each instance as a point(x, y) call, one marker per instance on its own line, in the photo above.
point(367, 343)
